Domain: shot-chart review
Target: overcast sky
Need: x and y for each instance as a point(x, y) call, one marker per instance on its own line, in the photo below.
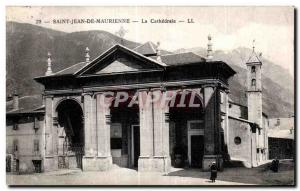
point(230, 27)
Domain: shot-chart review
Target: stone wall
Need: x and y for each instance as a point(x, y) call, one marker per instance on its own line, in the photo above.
point(239, 150)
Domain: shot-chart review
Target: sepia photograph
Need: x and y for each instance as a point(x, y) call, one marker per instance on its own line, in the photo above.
point(150, 96)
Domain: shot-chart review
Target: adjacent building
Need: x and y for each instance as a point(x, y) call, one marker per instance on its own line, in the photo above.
point(282, 138)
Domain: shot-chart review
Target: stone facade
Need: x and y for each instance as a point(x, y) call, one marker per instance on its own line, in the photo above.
point(82, 132)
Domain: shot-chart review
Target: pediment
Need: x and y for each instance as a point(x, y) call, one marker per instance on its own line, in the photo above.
point(120, 65)
point(119, 59)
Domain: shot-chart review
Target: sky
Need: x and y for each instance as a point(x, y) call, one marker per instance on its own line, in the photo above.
point(230, 27)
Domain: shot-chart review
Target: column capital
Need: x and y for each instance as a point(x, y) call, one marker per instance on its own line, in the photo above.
point(87, 93)
point(49, 96)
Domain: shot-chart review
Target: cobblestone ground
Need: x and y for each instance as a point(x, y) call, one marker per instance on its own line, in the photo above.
point(124, 176)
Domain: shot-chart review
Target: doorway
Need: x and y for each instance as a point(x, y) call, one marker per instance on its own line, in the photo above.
point(37, 166)
point(70, 134)
point(197, 147)
point(135, 145)
point(195, 143)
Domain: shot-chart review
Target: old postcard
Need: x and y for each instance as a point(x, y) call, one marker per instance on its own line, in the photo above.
point(150, 96)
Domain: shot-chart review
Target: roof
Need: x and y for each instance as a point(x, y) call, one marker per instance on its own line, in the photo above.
point(167, 60)
point(282, 134)
point(72, 69)
point(27, 105)
point(114, 48)
point(181, 59)
point(253, 58)
point(149, 48)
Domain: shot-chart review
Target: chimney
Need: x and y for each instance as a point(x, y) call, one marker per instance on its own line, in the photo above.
point(49, 69)
point(15, 100)
point(158, 52)
point(87, 56)
point(209, 49)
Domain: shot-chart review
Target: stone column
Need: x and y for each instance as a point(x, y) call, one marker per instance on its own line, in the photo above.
point(104, 159)
point(90, 141)
point(212, 122)
point(162, 162)
point(49, 160)
point(145, 162)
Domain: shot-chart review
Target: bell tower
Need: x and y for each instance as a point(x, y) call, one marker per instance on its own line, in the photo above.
point(254, 88)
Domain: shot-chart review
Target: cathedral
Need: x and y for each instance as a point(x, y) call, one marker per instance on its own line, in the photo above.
point(95, 116)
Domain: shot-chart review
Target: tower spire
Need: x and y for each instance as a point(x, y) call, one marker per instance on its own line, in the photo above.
point(49, 61)
point(253, 45)
point(209, 48)
point(158, 53)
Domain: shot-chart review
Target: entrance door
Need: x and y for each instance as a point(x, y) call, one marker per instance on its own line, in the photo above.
point(195, 143)
point(17, 165)
point(37, 166)
point(135, 153)
point(197, 147)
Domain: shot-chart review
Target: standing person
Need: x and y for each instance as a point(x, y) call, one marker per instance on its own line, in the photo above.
point(213, 172)
point(275, 165)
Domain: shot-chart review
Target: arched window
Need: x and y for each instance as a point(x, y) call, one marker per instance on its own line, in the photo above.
point(253, 69)
point(253, 82)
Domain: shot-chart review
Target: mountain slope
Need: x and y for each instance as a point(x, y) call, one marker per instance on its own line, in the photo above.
point(27, 46)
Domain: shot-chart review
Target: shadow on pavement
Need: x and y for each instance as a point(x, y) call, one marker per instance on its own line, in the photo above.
point(259, 175)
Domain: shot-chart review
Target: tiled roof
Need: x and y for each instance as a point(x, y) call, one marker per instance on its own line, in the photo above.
point(149, 48)
point(181, 59)
point(72, 69)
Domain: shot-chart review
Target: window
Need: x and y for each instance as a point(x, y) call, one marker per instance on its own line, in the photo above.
point(237, 140)
point(36, 145)
point(253, 82)
point(257, 150)
point(253, 69)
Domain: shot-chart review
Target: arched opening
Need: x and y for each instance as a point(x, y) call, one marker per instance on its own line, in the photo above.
point(253, 70)
point(125, 133)
point(70, 134)
point(253, 82)
point(186, 130)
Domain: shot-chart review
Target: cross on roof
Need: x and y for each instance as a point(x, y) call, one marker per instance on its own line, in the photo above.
point(253, 44)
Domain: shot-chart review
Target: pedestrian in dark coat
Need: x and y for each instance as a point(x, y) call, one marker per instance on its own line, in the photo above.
point(213, 172)
point(275, 165)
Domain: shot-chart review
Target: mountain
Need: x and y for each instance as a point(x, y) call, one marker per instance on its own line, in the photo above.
point(278, 84)
point(27, 46)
